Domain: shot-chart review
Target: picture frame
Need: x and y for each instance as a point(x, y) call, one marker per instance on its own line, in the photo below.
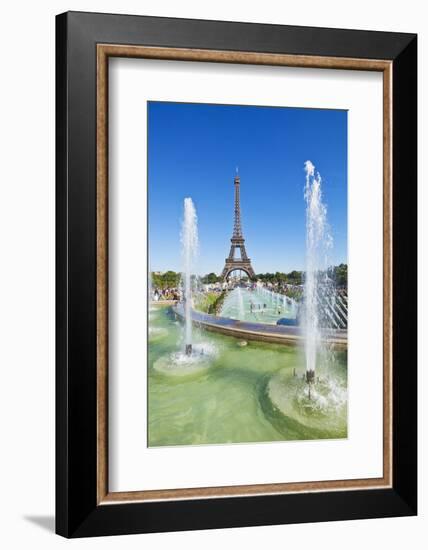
point(84, 44)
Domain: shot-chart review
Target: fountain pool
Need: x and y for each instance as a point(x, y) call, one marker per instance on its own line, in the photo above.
point(207, 388)
point(230, 400)
point(259, 305)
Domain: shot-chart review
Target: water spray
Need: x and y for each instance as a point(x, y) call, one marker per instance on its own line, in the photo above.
point(189, 243)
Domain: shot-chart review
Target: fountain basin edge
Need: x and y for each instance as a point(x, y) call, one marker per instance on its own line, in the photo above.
point(259, 332)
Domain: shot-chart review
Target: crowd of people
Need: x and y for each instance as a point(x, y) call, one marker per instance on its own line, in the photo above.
point(174, 293)
point(165, 294)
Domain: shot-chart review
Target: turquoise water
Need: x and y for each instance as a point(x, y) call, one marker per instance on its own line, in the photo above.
point(258, 305)
point(237, 392)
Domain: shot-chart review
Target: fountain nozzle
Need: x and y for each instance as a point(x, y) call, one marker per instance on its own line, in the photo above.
point(310, 376)
point(310, 380)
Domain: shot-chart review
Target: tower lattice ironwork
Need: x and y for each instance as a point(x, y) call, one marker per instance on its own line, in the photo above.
point(242, 263)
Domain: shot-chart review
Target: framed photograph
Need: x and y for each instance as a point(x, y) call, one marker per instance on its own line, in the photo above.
point(236, 267)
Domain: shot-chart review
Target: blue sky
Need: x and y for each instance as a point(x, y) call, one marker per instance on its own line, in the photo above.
point(193, 151)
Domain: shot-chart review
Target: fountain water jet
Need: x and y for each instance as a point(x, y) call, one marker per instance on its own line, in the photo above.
point(196, 357)
point(318, 240)
point(318, 399)
point(189, 243)
point(240, 304)
point(150, 291)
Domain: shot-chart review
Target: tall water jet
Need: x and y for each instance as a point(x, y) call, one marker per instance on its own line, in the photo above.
point(318, 241)
point(150, 290)
point(189, 244)
point(241, 311)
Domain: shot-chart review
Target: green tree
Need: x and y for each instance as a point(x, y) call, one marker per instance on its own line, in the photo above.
point(210, 279)
point(340, 275)
point(169, 279)
point(295, 277)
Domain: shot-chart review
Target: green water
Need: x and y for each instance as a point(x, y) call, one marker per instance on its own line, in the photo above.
point(257, 306)
point(229, 400)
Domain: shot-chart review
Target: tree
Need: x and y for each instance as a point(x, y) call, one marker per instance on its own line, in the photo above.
point(210, 279)
point(169, 279)
point(280, 277)
point(340, 275)
point(295, 277)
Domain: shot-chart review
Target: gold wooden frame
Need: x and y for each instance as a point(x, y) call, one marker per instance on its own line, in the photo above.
point(104, 52)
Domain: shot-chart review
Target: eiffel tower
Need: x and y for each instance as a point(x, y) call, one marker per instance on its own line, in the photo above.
point(242, 263)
